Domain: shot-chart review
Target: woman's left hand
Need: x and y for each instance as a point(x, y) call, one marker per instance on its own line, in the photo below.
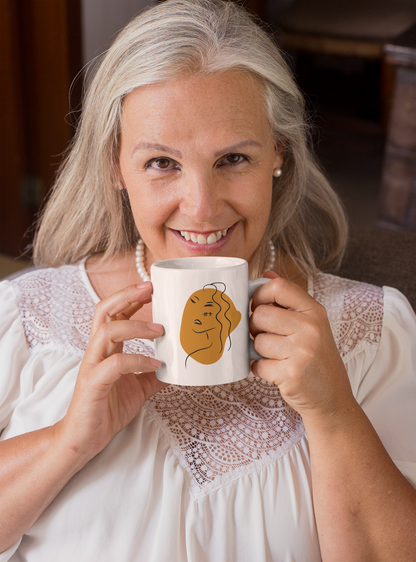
point(350, 468)
point(300, 353)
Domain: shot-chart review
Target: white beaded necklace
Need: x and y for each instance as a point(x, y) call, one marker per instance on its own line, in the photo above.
point(142, 271)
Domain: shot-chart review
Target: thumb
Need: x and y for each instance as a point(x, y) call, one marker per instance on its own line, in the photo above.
point(270, 274)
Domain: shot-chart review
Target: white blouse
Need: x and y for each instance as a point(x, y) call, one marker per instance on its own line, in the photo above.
point(218, 474)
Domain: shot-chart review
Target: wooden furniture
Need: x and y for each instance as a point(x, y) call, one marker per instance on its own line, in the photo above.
point(386, 32)
point(344, 27)
point(398, 191)
point(40, 55)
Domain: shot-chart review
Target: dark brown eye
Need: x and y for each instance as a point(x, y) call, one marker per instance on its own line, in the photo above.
point(163, 162)
point(233, 158)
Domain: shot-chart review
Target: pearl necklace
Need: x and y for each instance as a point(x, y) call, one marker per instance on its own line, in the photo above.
point(142, 271)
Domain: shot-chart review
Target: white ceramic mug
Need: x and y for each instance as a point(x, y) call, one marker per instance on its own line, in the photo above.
point(203, 305)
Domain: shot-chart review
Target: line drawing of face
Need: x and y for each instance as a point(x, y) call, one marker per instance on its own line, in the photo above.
point(208, 319)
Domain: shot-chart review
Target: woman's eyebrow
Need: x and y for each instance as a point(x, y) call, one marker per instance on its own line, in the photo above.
point(237, 146)
point(156, 146)
point(177, 154)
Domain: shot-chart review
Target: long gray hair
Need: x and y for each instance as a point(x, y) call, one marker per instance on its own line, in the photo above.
point(87, 212)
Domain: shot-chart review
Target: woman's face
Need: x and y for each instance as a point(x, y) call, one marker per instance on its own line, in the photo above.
point(197, 159)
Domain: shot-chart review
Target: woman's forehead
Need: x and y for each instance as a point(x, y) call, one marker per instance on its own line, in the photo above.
point(229, 101)
point(243, 84)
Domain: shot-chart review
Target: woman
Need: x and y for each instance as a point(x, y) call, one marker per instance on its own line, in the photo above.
point(193, 135)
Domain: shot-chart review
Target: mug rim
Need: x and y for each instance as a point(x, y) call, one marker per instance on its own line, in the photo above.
point(172, 263)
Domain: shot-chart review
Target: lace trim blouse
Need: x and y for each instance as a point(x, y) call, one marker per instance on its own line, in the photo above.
point(212, 448)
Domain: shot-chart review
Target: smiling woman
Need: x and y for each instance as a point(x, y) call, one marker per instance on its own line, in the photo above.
point(223, 74)
point(193, 142)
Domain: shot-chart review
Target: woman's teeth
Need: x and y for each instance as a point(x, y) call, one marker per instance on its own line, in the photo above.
point(201, 239)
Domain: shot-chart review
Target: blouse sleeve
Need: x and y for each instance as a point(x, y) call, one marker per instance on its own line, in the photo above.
point(386, 386)
point(14, 353)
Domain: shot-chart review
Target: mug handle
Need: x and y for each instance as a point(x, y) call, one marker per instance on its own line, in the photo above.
point(253, 284)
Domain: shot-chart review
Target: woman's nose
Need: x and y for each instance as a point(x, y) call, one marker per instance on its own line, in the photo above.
point(202, 198)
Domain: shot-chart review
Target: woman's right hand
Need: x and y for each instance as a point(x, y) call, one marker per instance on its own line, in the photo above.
point(112, 386)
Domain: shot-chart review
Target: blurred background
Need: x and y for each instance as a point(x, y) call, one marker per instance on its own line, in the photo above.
point(355, 61)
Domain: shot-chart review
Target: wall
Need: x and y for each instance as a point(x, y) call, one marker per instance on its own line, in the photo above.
point(103, 19)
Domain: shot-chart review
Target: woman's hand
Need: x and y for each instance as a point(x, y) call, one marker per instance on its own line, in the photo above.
point(112, 386)
point(351, 471)
point(301, 356)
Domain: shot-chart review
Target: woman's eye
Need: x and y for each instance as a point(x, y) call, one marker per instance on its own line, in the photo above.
point(160, 164)
point(233, 159)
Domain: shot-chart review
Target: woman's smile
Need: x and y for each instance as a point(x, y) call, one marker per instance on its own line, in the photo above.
point(202, 242)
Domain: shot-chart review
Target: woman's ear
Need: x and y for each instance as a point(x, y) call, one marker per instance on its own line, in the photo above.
point(278, 157)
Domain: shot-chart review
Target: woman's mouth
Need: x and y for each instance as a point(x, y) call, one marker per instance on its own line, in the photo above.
point(205, 241)
point(211, 238)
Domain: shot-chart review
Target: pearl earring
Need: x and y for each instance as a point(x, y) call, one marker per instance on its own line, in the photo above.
point(277, 172)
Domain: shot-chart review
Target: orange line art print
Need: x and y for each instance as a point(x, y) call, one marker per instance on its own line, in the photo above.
point(208, 319)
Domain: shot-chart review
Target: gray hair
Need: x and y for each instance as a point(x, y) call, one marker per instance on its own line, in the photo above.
point(87, 213)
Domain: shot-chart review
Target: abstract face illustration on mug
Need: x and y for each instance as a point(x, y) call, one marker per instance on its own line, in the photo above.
point(203, 304)
point(208, 319)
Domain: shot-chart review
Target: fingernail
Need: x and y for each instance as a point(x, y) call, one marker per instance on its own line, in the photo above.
point(155, 362)
point(155, 327)
point(144, 285)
